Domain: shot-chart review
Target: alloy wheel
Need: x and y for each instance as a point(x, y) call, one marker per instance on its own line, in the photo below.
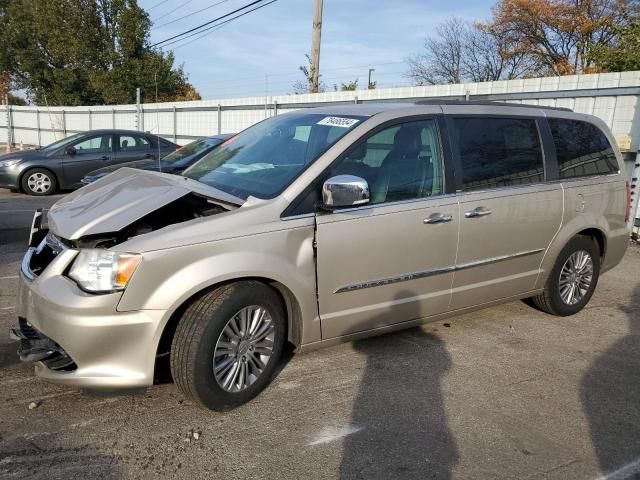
point(243, 348)
point(576, 277)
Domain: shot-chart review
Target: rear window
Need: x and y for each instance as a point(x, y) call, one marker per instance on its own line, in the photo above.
point(498, 152)
point(582, 149)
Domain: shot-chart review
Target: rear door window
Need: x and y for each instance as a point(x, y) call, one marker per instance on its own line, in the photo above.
point(582, 149)
point(133, 143)
point(498, 152)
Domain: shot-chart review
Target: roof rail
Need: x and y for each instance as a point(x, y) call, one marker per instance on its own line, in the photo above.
point(436, 101)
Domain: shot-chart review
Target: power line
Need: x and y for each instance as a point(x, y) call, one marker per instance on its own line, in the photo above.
point(171, 11)
point(189, 15)
point(157, 5)
point(213, 28)
point(207, 23)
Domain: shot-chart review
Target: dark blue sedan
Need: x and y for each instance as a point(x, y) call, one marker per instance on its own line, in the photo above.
point(176, 162)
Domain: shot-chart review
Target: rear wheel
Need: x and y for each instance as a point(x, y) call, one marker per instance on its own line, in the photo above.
point(227, 345)
point(38, 182)
point(573, 279)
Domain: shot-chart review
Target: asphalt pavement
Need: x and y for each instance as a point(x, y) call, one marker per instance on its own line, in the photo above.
point(507, 392)
point(16, 213)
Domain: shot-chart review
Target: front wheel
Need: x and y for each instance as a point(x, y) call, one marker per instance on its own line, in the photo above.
point(228, 344)
point(38, 182)
point(573, 279)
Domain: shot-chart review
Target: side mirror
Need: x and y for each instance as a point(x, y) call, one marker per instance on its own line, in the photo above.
point(345, 191)
point(70, 151)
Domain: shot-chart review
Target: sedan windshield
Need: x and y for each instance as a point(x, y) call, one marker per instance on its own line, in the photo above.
point(264, 159)
point(183, 155)
point(62, 142)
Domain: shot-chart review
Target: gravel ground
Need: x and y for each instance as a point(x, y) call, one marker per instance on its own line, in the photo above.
point(507, 392)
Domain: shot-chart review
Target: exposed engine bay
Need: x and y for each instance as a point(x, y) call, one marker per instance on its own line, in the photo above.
point(188, 207)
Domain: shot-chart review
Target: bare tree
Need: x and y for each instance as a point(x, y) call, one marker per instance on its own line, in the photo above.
point(486, 56)
point(465, 52)
point(441, 60)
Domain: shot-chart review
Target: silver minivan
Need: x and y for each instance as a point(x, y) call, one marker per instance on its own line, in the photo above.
point(316, 227)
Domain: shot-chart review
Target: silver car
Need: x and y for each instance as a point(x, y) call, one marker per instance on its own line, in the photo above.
point(317, 227)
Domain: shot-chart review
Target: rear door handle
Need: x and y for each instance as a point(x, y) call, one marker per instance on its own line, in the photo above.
point(437, 218)
point(477, 212)
point(148, 155)
point(104, 158)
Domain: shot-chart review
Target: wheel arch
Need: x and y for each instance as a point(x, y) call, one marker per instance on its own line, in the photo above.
point(598, 237)
point(293, 312)
point(593, 231)
point(36, 167)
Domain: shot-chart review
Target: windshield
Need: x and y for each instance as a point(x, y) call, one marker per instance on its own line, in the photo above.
point(62, 142)
point(264, 159)
point(187, 153)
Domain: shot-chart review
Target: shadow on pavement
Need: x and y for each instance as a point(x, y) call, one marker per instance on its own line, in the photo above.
point(610, 393)
point(398, 420)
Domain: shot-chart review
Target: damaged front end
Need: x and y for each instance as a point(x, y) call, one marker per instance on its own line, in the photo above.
point(184, 209)
point(36, 347)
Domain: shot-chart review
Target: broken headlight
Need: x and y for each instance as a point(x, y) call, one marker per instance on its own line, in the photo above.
point(101, 271)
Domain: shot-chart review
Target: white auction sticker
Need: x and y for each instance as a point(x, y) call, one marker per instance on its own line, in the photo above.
point(338, 122)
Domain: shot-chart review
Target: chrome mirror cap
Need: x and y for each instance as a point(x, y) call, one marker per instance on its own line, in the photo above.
point(345, 191)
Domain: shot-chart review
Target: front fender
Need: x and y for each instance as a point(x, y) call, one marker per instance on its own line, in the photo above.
point(166, 279)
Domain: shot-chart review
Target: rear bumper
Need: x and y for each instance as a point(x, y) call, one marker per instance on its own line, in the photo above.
point(107, 349)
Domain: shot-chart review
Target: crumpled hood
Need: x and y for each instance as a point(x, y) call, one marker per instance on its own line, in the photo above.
point(118, 200)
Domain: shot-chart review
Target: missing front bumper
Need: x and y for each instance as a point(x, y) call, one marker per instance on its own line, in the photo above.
point(36, 347)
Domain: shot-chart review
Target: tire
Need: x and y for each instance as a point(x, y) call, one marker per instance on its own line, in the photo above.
point(551, 300)
point(39, 182)
point(205, 329)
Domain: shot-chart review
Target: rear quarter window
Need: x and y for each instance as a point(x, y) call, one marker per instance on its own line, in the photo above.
point(582, 149)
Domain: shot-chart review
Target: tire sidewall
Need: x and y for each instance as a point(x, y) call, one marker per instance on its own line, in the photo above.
point(25, 182)
point(210, 393)
point(576, 244)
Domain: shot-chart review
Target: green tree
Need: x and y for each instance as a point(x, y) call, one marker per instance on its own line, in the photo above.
point(351, 86)
point(85, 52)
point(624, 54)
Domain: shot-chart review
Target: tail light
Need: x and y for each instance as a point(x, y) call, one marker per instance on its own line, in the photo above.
point(627, 216)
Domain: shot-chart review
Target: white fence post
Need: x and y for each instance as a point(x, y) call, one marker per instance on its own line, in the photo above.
point(635, 175)
point(219, 119)
point(7, 123)
point(38, 126)
point(175, 125)
point(10, 130)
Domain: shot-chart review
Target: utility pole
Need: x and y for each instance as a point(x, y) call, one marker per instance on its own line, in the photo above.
point(371, 70)
point(315, 46)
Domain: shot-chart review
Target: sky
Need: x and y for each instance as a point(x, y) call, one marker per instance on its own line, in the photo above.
point(263, 50)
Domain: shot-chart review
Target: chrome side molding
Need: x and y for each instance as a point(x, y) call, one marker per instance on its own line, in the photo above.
point(436, 271)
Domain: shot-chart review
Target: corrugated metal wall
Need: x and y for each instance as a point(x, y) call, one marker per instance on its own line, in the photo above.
point(614, 97)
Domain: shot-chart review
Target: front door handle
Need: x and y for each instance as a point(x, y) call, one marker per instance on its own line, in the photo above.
point(104, 158)
point(477, 212)
point(437, 218)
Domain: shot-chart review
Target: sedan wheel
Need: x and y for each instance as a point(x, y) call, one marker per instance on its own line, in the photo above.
point(38, 182)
